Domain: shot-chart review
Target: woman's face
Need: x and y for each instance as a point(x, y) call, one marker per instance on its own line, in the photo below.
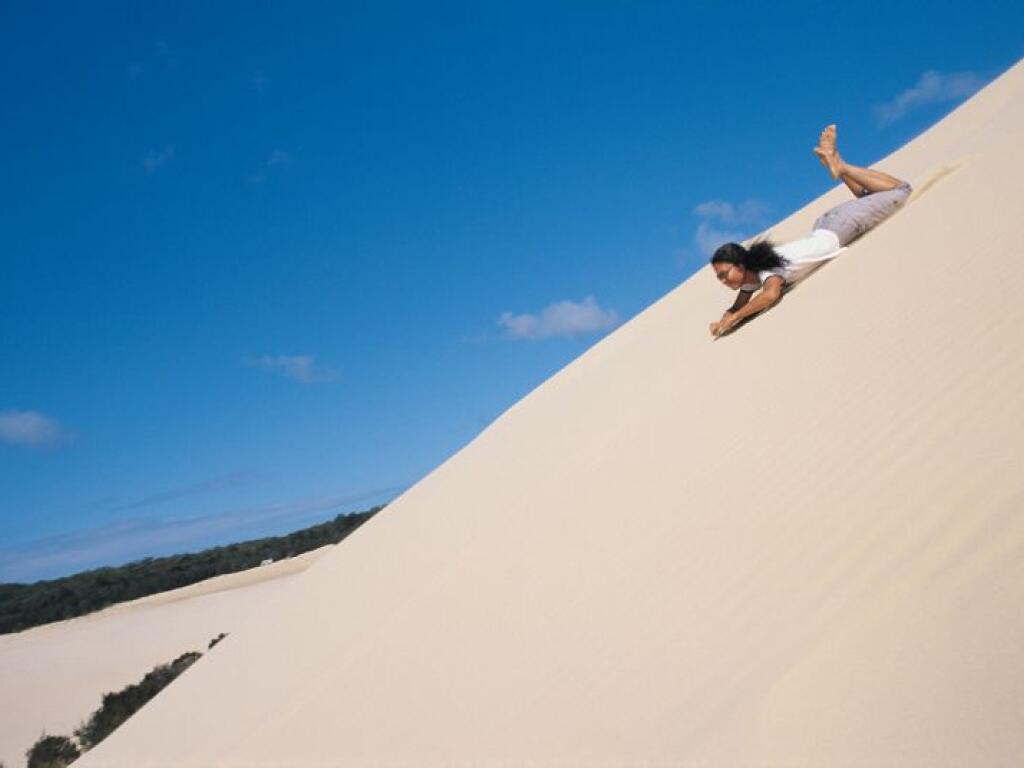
point(730, 275)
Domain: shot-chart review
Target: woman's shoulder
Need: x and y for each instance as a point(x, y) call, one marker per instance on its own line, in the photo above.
point(764, 274)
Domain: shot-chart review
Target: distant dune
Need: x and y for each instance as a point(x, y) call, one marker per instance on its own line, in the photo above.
point(54, 675)
point(799, 545)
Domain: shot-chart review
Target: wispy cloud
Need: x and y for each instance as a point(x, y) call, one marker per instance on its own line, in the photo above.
point(121, 541)
point(728, 213)
point(260, 82)
point(276, 159)
point(563, 318)
point(301, 368)
point(932, 88)
point(212, 485)
point(167, 56)
point(709, 237)
point(279, 157)
point(31, 428)
point(156, 159)
point(725, 222)
point(161, 59)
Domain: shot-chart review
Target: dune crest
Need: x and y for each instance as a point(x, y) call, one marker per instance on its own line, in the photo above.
point(801, 544)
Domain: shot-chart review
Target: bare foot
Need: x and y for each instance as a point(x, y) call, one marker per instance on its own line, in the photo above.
point(831, 162)
point(827, 153)
point(827, 140)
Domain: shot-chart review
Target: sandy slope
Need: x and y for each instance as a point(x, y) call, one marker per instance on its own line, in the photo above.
point(53, 676)
point(800, 545)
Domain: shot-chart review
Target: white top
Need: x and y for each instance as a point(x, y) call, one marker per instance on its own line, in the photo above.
point(805, 255)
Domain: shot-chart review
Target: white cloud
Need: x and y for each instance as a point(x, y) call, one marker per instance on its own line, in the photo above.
point(210, 485)
point(746, 212)
point(563, 318)
point(301, 368)
point(260, 81)
point(30, 428)
point(932, 88)
point(157, 158)
point(119, 541)
point(278, 157)
point(729, 217)
point(708, 237)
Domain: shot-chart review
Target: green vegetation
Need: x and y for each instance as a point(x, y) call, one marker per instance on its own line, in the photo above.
point(52, 752)
point(29, 605)
point(118, 707)
point(60, 751)
point(213, 642)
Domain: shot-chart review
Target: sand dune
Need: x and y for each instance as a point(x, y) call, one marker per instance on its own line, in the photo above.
point(798, 545)
point(54, 675)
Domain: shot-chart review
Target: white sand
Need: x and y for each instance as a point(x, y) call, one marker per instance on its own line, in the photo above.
point(800, 545)
point(54, 675)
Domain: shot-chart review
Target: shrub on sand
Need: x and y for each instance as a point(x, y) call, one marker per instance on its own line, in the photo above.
point(52, 752)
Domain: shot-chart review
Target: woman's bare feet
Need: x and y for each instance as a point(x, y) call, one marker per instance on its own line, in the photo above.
point(827, 152)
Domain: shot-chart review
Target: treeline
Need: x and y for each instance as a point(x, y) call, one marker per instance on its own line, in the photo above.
point(60, 751)
point(29, 605)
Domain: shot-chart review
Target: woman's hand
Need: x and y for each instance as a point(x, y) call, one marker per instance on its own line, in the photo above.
point(726, 324)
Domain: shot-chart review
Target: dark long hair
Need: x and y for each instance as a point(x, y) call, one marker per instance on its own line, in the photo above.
point(759, 256)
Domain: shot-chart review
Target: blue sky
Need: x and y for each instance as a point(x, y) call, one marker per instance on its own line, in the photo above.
point(264, 263)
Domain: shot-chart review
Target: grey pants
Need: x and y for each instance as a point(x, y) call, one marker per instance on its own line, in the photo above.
point(853, 218)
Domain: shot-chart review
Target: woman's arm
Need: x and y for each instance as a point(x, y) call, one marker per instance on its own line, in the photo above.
point(741, 299)
point(770, 294)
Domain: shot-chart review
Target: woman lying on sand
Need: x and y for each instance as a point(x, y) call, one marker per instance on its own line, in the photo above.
point(769, 268)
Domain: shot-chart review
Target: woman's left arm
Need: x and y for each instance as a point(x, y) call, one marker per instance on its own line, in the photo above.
point(770, 294)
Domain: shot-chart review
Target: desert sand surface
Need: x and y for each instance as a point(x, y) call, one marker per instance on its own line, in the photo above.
point(54, 675)
point(800, 545)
